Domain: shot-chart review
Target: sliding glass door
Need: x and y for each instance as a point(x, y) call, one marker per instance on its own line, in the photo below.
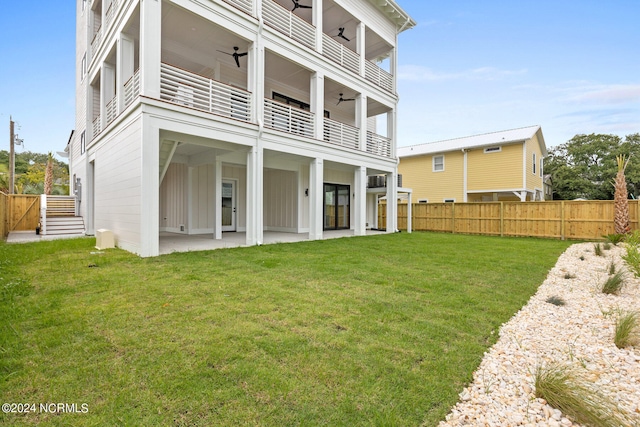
point(337, 206)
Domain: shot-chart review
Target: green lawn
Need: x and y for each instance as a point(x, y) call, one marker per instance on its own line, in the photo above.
point(378, 330)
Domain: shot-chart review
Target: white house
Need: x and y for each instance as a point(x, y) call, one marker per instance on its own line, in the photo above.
point(199, 117)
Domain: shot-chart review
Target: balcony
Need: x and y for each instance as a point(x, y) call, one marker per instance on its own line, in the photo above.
point(111, 110)
point(243, 5)
point(288, 24)
point(340, 54)
point(378, 145)
point(378, 76)
point(288, 119)
point(341, 134)
point(194, 91)
point(132, 88)
point(97, 126)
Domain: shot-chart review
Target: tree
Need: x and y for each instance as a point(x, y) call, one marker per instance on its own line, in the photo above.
point(48, 175)
point(621, 215)
point(585, 166)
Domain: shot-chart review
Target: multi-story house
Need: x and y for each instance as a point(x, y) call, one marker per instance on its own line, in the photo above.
point(199, 117)
point(498, 166)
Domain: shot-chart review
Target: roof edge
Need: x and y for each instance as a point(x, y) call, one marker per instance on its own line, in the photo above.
point(396, 14)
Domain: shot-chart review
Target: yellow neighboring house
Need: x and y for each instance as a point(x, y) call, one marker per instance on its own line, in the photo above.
point(498, 166)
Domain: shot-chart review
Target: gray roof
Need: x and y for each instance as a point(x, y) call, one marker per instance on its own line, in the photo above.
point(485, 140)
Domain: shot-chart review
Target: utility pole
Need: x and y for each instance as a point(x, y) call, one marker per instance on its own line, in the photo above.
point(12, 161)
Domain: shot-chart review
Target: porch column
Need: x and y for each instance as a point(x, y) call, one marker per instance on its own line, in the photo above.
point(317, 104)
point(361, 46)
point(316, 195)
point(392, 131)
point(393, 67)
point(255, 196)
point(217, 200)
point(149, 193)
point(124, 66)
point(361, 121)
point(255, 79)
point(392, 201)
point(360, 202)
point(107, 84)
point(316, 20)
point(150, 47)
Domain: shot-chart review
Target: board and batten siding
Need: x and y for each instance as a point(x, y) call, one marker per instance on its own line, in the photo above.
point(280, 200)
point(173, 198)
point(496, 170)
point(417, 174)
point(118, 179)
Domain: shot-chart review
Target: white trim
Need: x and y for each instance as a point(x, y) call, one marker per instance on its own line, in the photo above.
point(464, 176)
point(503, 190)
point(282, 229)
point(494, 149)
point(534, 164)
point(524, 165)
point(433, 163)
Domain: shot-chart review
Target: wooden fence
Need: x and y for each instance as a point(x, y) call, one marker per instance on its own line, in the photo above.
point(19, 212)
point(584, 220)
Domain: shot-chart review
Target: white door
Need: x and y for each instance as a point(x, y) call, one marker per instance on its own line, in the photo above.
point(228, 206)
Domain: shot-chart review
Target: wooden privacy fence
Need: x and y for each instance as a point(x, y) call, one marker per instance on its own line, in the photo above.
point(585, 220)
point(19, 212)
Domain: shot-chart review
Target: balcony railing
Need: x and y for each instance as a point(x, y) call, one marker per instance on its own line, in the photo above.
point(340, 54)
point(244, 5)
point(97, 39)
point(378, 144)
point(194, 91)
point(132, 88)
point(289, 24)
point(111, 12)
point(97, 126)
point(289, 119)
point(112, 110)
point(341, 134)
point(378, 76)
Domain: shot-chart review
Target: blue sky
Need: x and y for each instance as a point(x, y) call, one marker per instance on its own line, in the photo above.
point(469, 67)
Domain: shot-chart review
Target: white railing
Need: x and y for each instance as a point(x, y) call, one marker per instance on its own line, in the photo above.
point(341, 134)
point(191, 90)
point(111, 12)
point(112, 109)
point(377, 75)
point(340, 54)
point(244, 5)
point(97, 39)
point(286, 118)
point(97, 126)
point(132, 88)
point(378, 144)
point(286, 22)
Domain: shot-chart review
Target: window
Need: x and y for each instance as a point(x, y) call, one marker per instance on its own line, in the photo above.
point(83, 143)
point(423, 201)
point(83, 67)
point(449, 200)
point(534, 163)
point(541, 167)
point(438, 163)
point(492, 149)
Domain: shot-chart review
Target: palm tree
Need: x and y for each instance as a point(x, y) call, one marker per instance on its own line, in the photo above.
point(620, 197)
point(48, 175)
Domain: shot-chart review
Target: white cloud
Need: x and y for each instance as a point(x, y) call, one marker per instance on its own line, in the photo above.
point(425, 74)
point(606, 94)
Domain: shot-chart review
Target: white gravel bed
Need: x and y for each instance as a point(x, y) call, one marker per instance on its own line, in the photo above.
point(579, 334)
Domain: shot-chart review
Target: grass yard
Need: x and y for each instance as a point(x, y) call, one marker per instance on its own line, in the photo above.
point(380, 330)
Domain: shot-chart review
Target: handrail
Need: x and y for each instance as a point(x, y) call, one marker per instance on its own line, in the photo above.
point(378, 144)
point(342, 134)
point(340, 53)
point(288, 23)
point(244, 5)
point(377, 75)
point(280, 116)
point(132, 88)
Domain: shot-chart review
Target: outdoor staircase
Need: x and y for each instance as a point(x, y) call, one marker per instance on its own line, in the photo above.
point(61, 217)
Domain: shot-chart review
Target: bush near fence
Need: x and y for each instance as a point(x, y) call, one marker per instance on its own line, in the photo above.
point(559, 219)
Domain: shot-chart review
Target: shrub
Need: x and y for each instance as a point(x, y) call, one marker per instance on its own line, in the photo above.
point(569, 276)
point(597, 249)
point(612, 268)
point(615, 238)
point(627, 333)
point(563, 389)
point(613, 284)
point(606, 246)
point(555, 300)
point(632, 255)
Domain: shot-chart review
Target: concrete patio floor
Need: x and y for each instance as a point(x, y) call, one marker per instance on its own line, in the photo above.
point(175, 242)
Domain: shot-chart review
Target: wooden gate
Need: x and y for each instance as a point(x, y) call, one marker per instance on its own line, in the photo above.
point(24, 212)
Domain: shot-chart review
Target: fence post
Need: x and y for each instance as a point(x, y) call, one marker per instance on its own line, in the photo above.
point(562, 220)
point(453, 218)
point(501, 219)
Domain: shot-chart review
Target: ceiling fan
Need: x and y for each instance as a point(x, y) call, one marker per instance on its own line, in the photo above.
point(344, 99)
point(235, 54)
point(341, 34)
point(297, 5)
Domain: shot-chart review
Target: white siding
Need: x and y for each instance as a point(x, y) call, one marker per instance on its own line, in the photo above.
point(202, 189)
point(173, 198)
point(280, 200)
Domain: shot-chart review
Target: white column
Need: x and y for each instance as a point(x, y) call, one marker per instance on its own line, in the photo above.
point(392, 202)
point(361, 45)
point(393, 67)
point(316, 195)
point(150, 47)
point(316, 20)
point(254, 196)
point(255, 76)
point(360, 201)
point(361, 120)
point(464, 176)
point(409, 212)
point(392, 131)
point(190, 200)
point(317, 104)
point(217, 200)
point(149, 189)
point(124, 66)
